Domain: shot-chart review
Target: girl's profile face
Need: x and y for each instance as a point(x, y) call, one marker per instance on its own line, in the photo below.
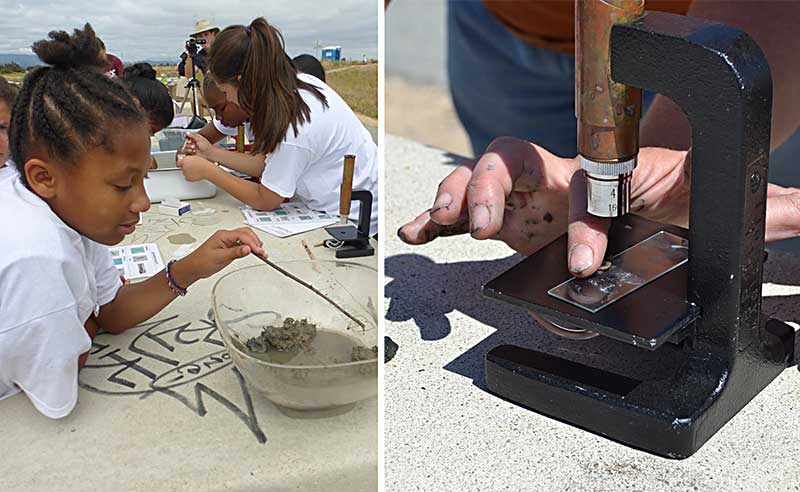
point(5, 119)
point(102, 196)
point(231, 93)
point(230, 114)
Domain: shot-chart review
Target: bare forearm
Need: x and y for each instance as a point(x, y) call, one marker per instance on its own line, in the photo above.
point(211, 133)
point(771, 24)
point(139, 302)
point(252, 165)
point(253, 194)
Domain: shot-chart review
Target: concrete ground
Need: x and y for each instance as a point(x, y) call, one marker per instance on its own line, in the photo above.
point(417, 99)
point(424, 113)
point(162, 407)
point(445, 431)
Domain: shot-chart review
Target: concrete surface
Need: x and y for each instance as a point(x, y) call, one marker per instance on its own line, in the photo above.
point(424, 113)
point(211, 433)
point(418, 104)
point(444, 431)
point(416, 41)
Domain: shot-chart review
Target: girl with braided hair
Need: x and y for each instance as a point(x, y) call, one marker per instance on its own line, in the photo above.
point(302, 126)
point(80, 143)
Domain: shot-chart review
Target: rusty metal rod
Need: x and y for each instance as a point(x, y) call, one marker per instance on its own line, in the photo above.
point(608, 113)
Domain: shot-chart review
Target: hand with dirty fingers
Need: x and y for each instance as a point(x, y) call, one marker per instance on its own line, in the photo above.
point(523, 195)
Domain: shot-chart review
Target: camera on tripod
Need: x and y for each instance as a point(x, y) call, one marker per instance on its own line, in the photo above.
point(191, 48)
point(191, 45)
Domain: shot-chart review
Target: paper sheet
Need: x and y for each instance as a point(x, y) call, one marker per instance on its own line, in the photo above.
point(289, 219)
point(137, 261)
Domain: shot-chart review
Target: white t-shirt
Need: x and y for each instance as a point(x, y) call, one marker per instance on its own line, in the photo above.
point(8, 171)
point(51, 281)
point(309, 166)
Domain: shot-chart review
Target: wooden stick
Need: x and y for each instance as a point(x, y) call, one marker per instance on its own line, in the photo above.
point(240, 139)
point(310, 256)
point(347, 187)
point(311, 288)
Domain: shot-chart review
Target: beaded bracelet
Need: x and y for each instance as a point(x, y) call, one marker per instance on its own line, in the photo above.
point(171, 282)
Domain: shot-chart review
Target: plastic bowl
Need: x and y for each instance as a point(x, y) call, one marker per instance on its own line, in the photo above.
point(321, 380)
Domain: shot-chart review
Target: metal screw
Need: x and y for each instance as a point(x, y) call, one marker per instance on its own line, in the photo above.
point(755, 182)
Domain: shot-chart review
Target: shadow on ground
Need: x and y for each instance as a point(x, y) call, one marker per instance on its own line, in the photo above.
point(425, 291)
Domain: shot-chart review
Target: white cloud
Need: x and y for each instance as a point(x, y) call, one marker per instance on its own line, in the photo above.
point(157, 29)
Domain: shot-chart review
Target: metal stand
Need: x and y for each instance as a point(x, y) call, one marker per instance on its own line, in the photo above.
point(356, 240)
point(196, 121)
point(722, 351)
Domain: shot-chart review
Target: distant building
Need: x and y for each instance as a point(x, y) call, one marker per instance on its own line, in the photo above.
point(332, 53)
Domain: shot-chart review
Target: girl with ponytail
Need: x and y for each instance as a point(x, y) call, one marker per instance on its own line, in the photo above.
point(301, 126)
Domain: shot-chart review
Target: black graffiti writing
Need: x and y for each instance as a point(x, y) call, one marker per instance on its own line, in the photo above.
point(153, 363)
point(194, 370)
point(127, 364)
point(249, 418)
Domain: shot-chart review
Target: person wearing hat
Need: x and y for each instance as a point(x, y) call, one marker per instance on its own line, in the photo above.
point(202, 30)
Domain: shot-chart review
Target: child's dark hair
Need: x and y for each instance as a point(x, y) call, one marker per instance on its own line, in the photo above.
point(8, 93)
point(152, 94)
point(68, 107)
point(310, 65)
point(269, 90)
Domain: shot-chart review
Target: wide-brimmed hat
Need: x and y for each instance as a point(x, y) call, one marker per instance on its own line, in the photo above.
point(202, 26)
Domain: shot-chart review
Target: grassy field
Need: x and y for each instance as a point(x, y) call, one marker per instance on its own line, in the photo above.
point(355, 82)
point(333, 65)
point(14, 77)
point(170, 70)
point(358, 86)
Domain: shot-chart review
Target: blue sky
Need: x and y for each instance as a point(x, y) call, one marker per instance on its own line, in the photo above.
point(156, 29)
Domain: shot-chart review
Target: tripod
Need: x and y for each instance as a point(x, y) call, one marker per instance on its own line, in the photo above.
point(196, 121)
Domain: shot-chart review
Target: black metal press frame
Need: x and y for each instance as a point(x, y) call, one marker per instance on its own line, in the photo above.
point(726, 351)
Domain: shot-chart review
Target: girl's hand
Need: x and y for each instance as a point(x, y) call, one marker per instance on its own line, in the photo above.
point(197, 144)
point(215, 254)
point(195, 168)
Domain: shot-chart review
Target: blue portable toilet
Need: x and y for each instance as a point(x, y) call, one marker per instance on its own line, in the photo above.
point(332, 53)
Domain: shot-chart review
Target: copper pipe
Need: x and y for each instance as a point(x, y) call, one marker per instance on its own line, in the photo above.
point(608, 112)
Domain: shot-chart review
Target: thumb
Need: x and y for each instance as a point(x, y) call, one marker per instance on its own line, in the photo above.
point(238, 252)
point(587, 235)
point(196, 139)
point(226, 255)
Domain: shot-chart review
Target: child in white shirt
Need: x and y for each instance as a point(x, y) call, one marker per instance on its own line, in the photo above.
point(81, 146)
point(299, 123)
